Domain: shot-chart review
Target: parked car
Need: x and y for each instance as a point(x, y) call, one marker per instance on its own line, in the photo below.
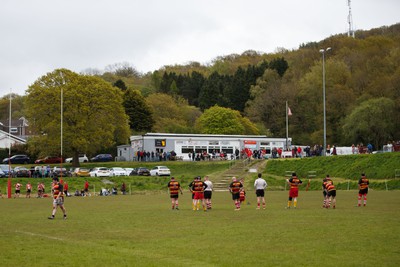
point(82, 158)
point(49, 160)
point(102, 158)
point(6, 169)
point(117, 171)
point(17, 159)
point(128, 170)
point(160, 171)
point(2, 174)
point(140, 171)
point(81, 172)
point(21, 172)
point(56, 172)
point(100, 172)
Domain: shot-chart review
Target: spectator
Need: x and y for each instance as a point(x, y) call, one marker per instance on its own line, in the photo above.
point(86, 189)
point(66, 189)
point(123, 189)
point(369, 147)
point(77, 193)
point(334, 153)
point(299, 151)
point(114, 191)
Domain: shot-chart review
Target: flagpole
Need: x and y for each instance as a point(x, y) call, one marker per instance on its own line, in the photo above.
point(287, 126)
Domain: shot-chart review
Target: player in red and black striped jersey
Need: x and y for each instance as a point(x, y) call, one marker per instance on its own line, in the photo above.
point(235, 188)
point(58, 198)
point(326, 180)
point(191, 190)
point(198, 187)
point(331, 194)
point(363, 185)
point(294, 183)
point(174, 189)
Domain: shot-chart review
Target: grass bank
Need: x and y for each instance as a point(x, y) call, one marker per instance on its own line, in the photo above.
point(345, 171)
point(183, 171)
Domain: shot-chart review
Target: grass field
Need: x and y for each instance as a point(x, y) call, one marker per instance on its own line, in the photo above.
point(142, 230)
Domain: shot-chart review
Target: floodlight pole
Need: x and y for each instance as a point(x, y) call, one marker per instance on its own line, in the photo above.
point(9, 150)
point(61, 115)
point(287, 127)
point(323, 51)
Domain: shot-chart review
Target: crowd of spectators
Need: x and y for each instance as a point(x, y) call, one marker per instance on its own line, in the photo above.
point(154, 156)
point(276, 152)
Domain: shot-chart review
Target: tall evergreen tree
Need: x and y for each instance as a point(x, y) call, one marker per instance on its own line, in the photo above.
point(212, 91)
point(138, 111)
point(280, 65)
point(237, 92)
point(120, 84)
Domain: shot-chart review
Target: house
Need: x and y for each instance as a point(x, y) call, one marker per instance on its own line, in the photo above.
point(5, 139)
point(16, 134)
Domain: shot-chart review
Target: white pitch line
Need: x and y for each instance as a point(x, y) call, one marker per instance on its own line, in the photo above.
point(34, 234)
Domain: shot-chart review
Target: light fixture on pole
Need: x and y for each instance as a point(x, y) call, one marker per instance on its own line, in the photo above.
point(323, 51)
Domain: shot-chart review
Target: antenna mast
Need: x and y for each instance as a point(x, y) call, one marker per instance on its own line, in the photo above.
point(350, 33)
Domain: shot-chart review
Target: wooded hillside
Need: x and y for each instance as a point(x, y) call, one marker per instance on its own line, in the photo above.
point(362, 87)
point(362, 90)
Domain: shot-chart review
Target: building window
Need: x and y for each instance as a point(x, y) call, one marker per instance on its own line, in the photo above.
point(227, 149)
point(212, 149)
point(200, 149)
point(187, 149)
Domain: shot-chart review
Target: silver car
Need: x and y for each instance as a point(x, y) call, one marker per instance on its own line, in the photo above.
point(100, 172)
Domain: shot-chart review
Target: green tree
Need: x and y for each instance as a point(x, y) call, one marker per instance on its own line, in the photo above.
point(371, 122)
point(280, 65)
point(191, 86)
point(17, 106)
point(220, 120)
point(267, 104)
point(237, 92)
point(93, 114)
point(172, 114)
point(120, 84)
point(212, 91)
point(339, 99)
point(139, 112)
point(173, 89)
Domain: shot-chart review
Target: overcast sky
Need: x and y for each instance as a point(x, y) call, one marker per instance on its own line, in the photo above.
point(38, 36)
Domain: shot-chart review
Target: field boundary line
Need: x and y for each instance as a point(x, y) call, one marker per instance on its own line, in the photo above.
point(40, 235)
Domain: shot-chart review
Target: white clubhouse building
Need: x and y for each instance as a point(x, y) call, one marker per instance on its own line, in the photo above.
point(185, 144)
